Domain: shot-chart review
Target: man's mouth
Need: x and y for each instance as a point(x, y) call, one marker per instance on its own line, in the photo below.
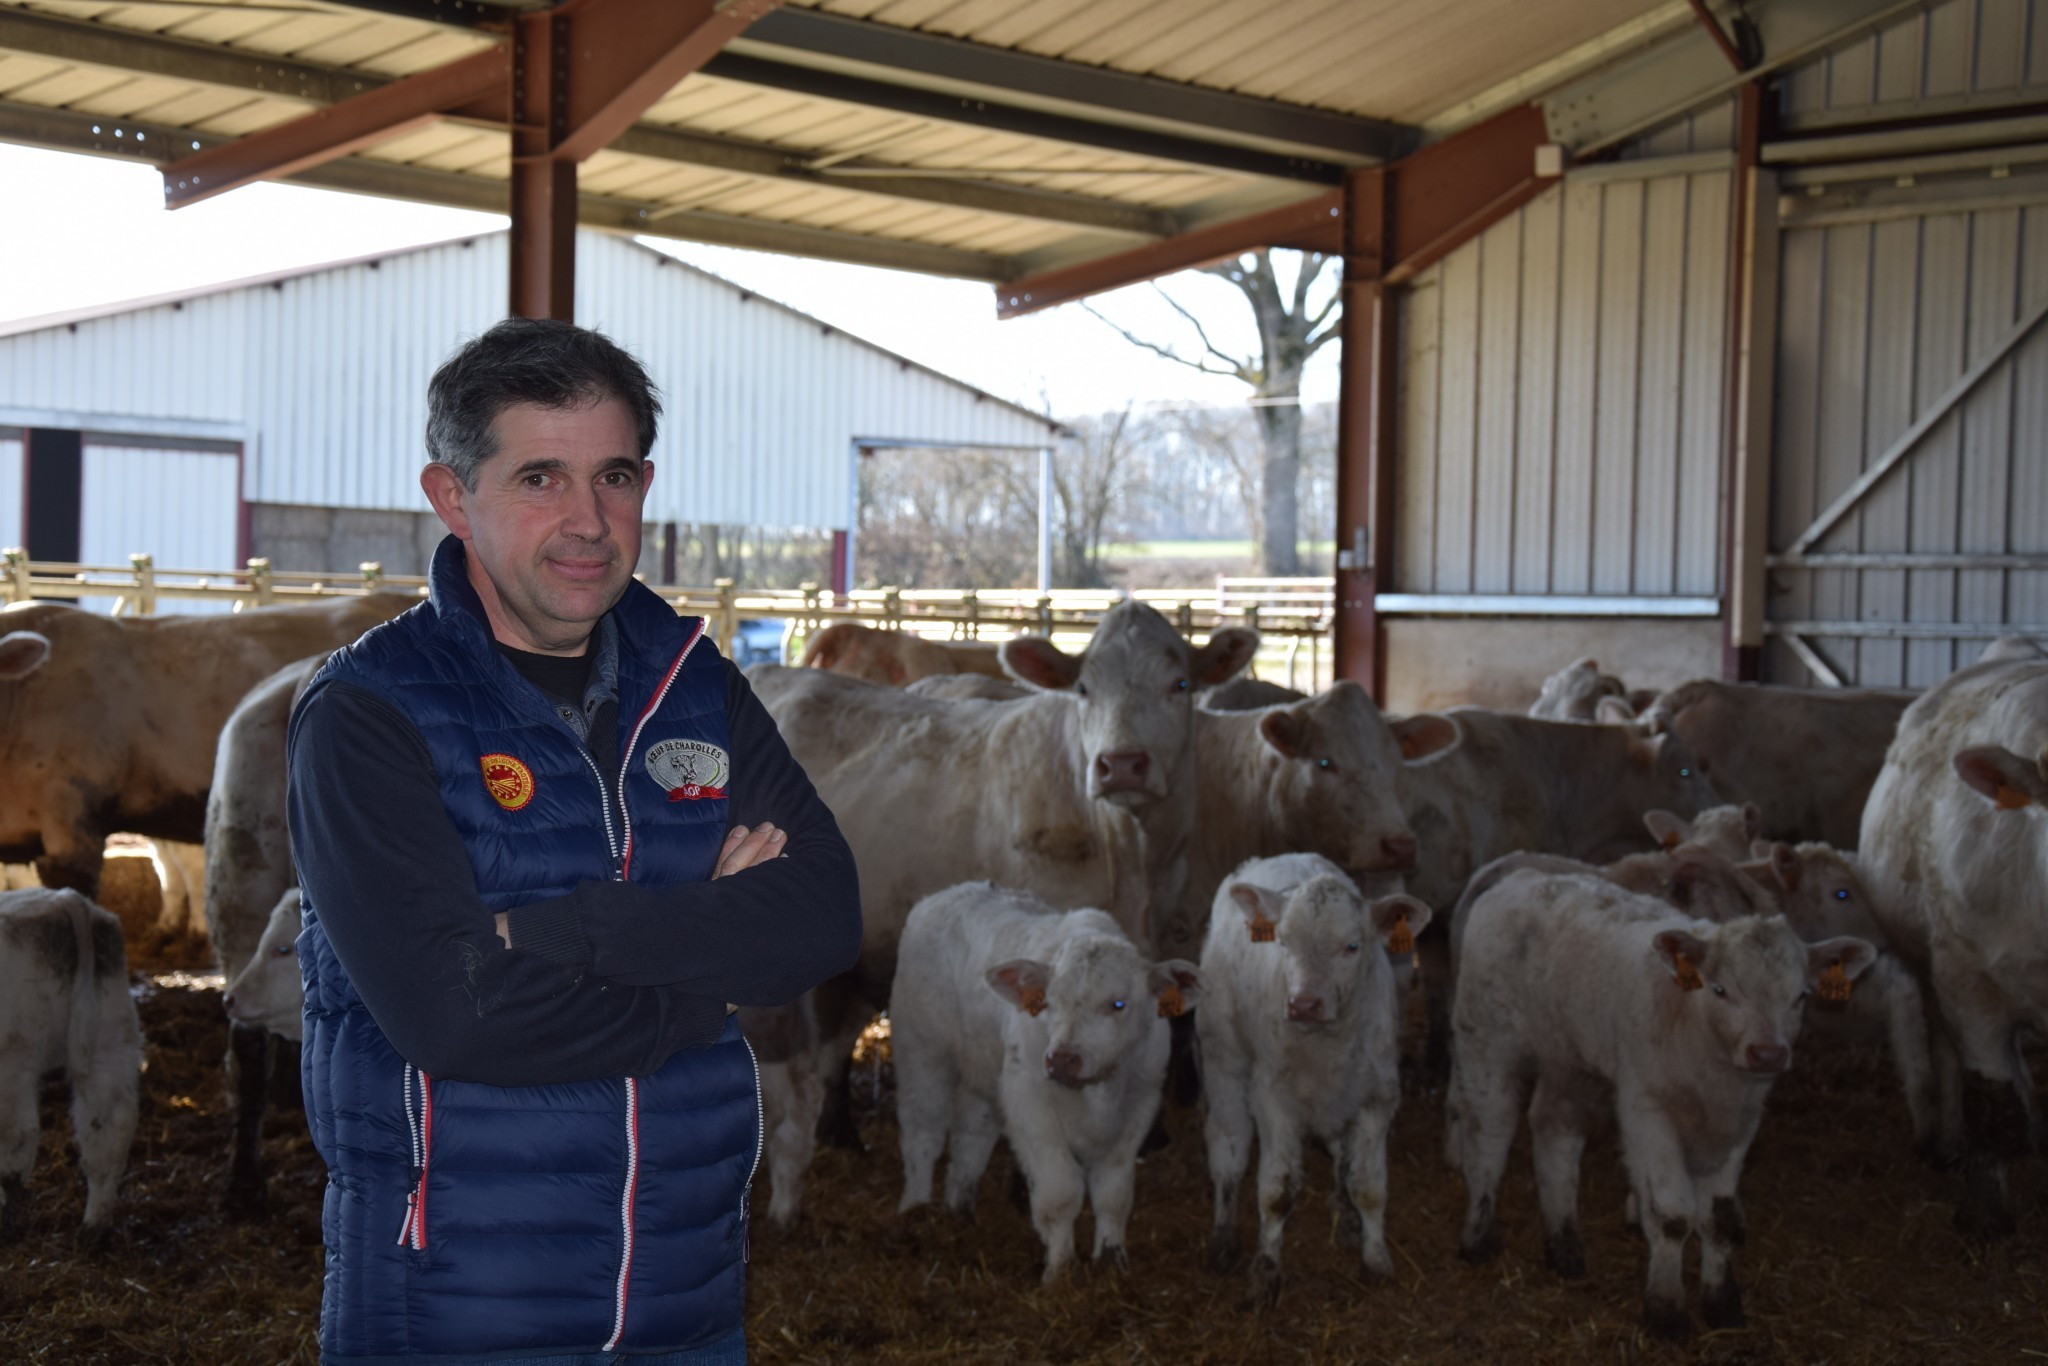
point(583, 571)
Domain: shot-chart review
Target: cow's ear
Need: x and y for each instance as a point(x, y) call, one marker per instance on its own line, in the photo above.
point(1226, 654)
point(1614, 711)
point(1286, 730)
point(1261, 909)
point(22, 653)
point(1851, 955)
point(1667, 828)
point(1424, 734)
point(1176, 984)
point(2008, 780)
point(1752, 819)
point(1682, 954)
point(1643, 749)
point(1036, 661)
point(1785, 866)
point(1021, 982)
point(1589, 664)
point(1399, 917)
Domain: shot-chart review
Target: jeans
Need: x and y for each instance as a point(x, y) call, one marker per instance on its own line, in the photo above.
point(729, 1351)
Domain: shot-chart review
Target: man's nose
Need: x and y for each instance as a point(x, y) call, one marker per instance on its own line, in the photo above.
point(584, 516)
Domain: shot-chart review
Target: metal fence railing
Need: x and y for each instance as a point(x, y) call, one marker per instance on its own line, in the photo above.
point(1293, 615)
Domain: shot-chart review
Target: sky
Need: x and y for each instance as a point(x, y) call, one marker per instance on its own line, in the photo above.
point(100, 234)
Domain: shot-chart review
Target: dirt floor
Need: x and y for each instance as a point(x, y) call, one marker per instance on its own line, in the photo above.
point(1850, 1258)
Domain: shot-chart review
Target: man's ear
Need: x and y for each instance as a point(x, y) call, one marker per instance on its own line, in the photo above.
point(445, 491)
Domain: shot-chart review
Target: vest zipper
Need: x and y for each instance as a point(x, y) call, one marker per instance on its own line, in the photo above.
point(625, 864)
point(626, 1211)
point(419, 1126)
point(760, 1142)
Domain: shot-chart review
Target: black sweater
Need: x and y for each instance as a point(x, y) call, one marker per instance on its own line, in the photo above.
point(609, 980)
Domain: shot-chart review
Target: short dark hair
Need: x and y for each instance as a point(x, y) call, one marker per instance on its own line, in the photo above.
point(539, 361)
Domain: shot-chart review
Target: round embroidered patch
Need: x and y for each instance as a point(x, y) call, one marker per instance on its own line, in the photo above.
point(689, 770)
point(509, 781)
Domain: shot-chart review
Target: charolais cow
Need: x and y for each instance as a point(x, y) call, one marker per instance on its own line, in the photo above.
point(248, 871)
point(1806, 756)
point(1515, 783)
point(1574, 692)
point(1301, 1042)
point(895, 658)
point(1083, 793)
point(1612, 1002)
point(1040, 1026)
point(110, 723)
point(64, 1005)
point(1954, 854)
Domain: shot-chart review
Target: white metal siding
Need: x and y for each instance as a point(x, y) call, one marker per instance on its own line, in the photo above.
point(1562, 412)
point(11, 531)
point(1957, 49)
point(181, 506)
point(1877, 320)
point(327, 372)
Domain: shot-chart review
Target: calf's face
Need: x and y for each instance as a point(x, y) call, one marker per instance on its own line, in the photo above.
point(1744, 988)
point(1328, 937)
point(1135, 686)
point(268, 991)
point(1096, 1002)
point(1336, 786)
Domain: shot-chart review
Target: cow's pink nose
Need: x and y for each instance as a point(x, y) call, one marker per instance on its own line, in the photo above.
point(1123, 771)
point(1063, 1065)
point(1303, 1006)
point(1767, 1057)
point(1399, 851)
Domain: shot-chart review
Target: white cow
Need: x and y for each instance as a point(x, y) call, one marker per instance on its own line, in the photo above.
point(1609, 1000)
point(1044, 1027)
point(1574, 693)
point(64, 1004)
point(1954, 852)
point(1301, 1041)
point(267, 992)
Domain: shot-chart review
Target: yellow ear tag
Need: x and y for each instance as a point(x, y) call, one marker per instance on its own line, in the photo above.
point(1171, 1003)
point(1400, 939)
point(1685, 974)
point(1263, 929)
point(1032, 999)
point(2011, 798)
point(1833, 988)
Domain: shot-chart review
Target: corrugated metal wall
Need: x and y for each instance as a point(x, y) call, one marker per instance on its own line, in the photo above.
point(1877, 320)
point(1964, 47)
point(182, 506)
point(11, 531)
point(328, 371)
point(1562, 407)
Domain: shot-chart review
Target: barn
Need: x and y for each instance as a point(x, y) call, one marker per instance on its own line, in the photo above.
point(1702, 336)
point(282, 417)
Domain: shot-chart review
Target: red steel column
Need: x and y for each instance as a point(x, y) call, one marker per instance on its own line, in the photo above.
point(1367, 386)
point(543, 180)
point(1740, 662)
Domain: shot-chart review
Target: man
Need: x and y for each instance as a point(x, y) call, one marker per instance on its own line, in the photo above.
point(545, 834)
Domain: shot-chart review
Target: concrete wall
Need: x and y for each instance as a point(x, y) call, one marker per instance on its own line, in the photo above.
point(1435, 662)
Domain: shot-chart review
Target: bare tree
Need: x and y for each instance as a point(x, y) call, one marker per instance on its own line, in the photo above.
point(947, 518)
point(1292, 328)
point(1095, 485)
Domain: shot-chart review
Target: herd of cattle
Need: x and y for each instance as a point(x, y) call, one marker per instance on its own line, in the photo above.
point(1081, 873)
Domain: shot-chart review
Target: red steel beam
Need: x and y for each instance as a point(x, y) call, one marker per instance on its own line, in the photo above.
point(1311, 225)
point(1366, 454)
point(363, 121)
point(626, 54)
point(1739, 663)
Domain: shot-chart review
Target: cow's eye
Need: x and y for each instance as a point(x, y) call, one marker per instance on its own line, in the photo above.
point(1351, 947)
point(1719, 990)
point(1685, 773)
point(1080, 690)
point(1325, 763)
point(1180, 685)
point(286, 950)
point(1841, 893)
point(1116, 1005)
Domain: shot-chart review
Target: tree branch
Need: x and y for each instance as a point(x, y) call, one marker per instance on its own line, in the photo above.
point(1239, 366)
point(1166, 353)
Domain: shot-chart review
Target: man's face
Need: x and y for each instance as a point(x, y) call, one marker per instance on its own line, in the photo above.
point(553, 525)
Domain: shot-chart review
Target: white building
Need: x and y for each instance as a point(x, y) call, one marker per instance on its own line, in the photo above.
point(283, 416)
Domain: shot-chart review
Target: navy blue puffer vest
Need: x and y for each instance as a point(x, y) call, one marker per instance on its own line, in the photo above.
point(464, 1220)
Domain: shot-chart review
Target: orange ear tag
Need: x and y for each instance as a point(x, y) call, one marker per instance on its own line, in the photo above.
point(1671, 840)
point(1833, 988)
point(1032, 999)
point(1263, 929)
point(1400, 939)
point(1171, 1003)
point(2011, 798)
point(1685, 974)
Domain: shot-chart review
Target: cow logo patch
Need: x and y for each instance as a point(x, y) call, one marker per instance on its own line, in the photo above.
point(509, 781)
point(689, 770)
